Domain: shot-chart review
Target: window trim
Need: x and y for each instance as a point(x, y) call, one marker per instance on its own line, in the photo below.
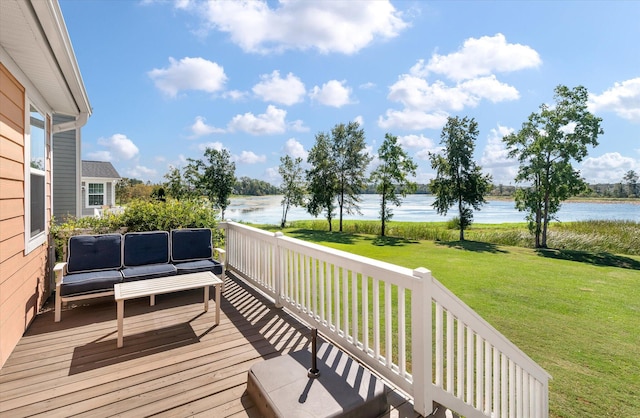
point(33, 242)
point(104, 194)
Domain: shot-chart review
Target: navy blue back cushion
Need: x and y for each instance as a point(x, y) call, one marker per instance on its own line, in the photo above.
point(191, 244)
point(142, 248)
point(94, 253)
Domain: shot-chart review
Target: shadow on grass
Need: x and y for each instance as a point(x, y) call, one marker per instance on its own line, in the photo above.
point(475, 246)
point(322, 236)
point(597, 259)
point(390, 241)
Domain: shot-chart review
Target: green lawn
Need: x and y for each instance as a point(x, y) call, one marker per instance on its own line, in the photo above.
point(576, 313)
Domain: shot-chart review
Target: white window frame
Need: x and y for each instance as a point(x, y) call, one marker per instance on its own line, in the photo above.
point(104, 193)
point(33, 242)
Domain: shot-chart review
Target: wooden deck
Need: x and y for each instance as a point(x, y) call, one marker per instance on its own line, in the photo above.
point(174, 362)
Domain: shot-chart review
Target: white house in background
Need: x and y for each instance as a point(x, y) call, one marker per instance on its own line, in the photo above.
point(99, 180)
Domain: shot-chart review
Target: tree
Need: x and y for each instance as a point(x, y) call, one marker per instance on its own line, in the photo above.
point(351, 160)
point(391, 177)
point(322, 179)
point(214, 177)
point(459, 180)
point(631, 180)
point(176, 185)
point(546, 145)
point(293, 187)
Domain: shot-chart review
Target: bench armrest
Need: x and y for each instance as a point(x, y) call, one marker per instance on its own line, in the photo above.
point(222, 255)
point(59, 270)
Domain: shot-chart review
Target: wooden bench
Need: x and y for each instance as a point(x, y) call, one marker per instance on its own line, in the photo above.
point(169, 284)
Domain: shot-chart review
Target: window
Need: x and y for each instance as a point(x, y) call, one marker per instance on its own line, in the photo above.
point(95, 194)
point(35, 179)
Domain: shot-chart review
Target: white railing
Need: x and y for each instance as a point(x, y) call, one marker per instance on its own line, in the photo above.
point(442, 351)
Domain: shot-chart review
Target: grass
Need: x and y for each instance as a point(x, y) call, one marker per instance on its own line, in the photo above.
point(574, 312)
point(617, 237)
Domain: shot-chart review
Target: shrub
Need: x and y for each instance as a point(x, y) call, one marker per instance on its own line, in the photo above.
point(140, 216)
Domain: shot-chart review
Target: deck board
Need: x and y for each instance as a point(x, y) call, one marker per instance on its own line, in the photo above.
point(175, 361)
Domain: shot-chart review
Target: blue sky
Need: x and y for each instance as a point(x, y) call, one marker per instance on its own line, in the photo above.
point(166, 79)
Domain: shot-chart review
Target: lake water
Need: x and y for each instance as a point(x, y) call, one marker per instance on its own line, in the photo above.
point(417, 208)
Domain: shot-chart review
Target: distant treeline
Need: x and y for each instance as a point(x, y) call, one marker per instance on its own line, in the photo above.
point(246, 186)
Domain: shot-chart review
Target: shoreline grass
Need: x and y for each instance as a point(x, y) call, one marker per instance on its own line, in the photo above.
point(596, 236)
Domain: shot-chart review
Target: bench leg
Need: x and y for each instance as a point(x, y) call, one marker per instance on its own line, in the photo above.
point(218, 292)
point(206, 298)
point(152, 300)
point(120, 309)
point(58, 312)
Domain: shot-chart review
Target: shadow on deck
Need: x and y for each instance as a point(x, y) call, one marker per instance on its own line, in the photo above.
point(174, 362)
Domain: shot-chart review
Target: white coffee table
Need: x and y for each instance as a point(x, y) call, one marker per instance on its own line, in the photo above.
point(153, 287)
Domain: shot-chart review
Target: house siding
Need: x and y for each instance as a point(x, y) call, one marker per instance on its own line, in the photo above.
point(65, 172)
point(24, 279)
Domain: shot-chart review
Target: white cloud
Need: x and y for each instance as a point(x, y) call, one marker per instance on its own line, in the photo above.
point(480, 57)
point(332, 93)
point(119, 147)
point(272, 175)
point(269, 123)
point(295, 149)
point(359, 120)
point(286, 91)
point(141, 172)
point(213, 145)
point(488, 88)
point(623, 99)
point(421, 143)
point(200, 128)
point(344, 27)
point(189, 74)
point(495, 159)
point(412, 119)
point(298, 126)
point(100, 156)
point(249, 157)
point(235, 95)
point(608, 168)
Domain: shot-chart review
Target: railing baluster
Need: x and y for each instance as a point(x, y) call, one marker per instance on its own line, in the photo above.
point(365, 313)
point(449, 382)
point(376, 319)
point(496, 382)
point(479, 370)
point(336, 294)
point(345, 302)
point(402, 345)
point(503, 385)
point(388, 323)
point(354, 306)
point(487, 378)
point(512, 389)
point(439, 342)
point(470, 368)
point(460, 360)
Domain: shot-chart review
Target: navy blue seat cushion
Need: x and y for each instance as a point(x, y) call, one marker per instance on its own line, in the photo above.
point(89, 282)
point(144, 248)
point(151, 271)
point(94, 253)
point(198, 266)
point(191, 244)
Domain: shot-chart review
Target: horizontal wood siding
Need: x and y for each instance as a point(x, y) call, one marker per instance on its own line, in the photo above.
point(22, 278)
point(65, 187)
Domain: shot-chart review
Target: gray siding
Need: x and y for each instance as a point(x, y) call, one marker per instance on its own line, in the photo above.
point(65, 188)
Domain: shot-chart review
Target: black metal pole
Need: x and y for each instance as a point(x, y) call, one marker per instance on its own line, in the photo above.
point(313, 371)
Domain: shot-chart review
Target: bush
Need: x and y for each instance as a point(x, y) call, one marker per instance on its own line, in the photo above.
point(140, 216)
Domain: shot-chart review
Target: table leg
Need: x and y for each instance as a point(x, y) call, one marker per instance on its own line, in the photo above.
point(218, 291)
point(120, 309)
point(206, 298)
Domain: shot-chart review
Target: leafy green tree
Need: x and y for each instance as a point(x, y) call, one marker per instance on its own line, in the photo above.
point(322, 179)
point(351, 160)
point(631, 180)
point(293, 187)
point(459, 180)
point(176, 185)
point(247, 186)
point(546, 145)
point(391, 177)
point(213, 176)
